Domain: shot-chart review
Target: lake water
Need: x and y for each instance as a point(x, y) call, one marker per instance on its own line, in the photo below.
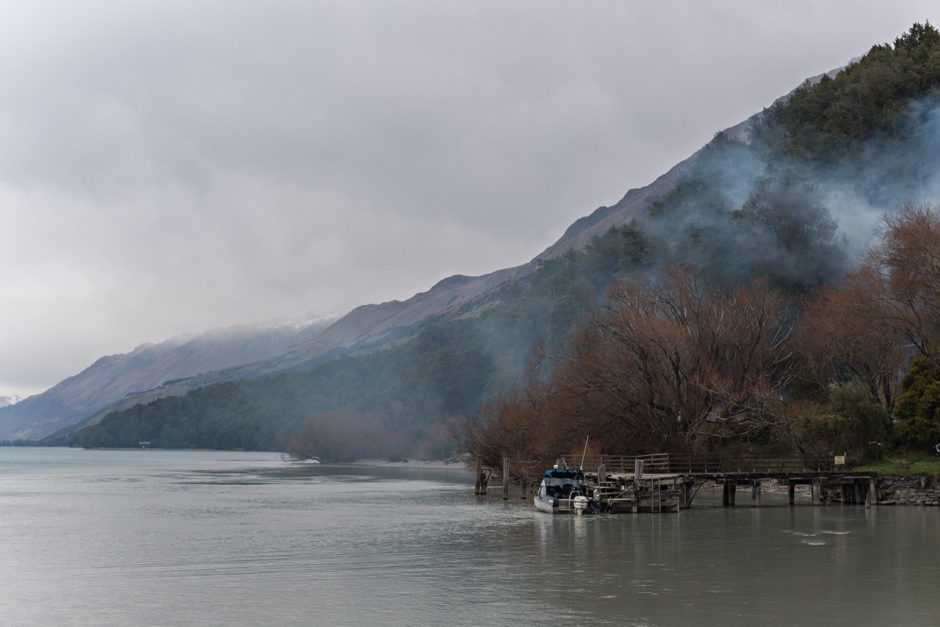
point(221, 538)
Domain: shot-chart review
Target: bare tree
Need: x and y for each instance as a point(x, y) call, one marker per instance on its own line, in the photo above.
point(907, 263)
point(846, 331)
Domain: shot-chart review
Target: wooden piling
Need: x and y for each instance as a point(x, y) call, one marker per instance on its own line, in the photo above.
point(791, 491)
point(729, 488)
point(479, 481)
point(817, 491)
point(755, 493)
point(685, 494)
point(506, 478)
point(872, 498)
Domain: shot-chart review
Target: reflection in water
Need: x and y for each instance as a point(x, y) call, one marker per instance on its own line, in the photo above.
point(220, 538)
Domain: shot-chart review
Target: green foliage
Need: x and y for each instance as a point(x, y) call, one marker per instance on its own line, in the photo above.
point(918, 410)
point(790, 210)
point(829, 120)
point(788, 232)
point(860, 426)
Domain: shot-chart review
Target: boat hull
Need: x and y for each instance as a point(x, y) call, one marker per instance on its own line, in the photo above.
point(552, 506)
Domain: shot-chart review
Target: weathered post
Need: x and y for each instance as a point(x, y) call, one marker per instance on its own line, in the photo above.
point(791, 491)
point(872, 493)
point(732, 492)
point(601, 474)
point(525, 488)
point(637, 476)
point(506, 478)
point(479, 475)
point(755, 493)
point(685, 494)
point(817, 491)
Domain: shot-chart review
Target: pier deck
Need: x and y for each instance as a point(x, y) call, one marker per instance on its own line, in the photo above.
point(665, 482)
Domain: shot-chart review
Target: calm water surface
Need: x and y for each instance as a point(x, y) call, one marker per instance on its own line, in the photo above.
point(213, 538)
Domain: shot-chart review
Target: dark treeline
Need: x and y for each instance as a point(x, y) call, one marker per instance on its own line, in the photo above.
point(751, 230)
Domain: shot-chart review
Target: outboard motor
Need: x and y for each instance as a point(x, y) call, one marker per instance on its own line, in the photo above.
point(580, 504)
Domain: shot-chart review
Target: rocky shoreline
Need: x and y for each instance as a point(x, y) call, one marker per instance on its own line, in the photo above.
point(908, 489)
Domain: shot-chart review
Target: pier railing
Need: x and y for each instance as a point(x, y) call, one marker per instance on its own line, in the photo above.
point(709, 463)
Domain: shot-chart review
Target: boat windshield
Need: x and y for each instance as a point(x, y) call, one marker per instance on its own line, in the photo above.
point(559, 487)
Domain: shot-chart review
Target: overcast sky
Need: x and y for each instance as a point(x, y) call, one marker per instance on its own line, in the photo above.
point(168, 167)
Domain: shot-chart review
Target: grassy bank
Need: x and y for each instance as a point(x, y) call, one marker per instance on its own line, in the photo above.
point(921, 465)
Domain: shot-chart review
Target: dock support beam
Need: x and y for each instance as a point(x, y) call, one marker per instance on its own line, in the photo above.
point(755, 493)
point(685, 494)
point(817, 491)
point(791, 492)
point(727, 494)
point(479, 484)
point(872, 498)
point(506, 478)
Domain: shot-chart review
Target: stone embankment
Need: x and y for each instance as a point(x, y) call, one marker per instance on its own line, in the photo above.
point(908, 490)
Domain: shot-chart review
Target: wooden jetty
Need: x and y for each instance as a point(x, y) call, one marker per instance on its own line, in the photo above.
point(828, 481)
point(664, 482)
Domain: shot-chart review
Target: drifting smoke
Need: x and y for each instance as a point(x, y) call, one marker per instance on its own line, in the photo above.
point(744, 209)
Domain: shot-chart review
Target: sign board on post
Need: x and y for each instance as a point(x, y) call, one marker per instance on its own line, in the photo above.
point(839, 460)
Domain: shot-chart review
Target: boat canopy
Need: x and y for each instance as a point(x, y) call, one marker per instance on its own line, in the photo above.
point(564, 473)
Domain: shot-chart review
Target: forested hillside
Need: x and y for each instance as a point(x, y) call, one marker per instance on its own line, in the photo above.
point(752, 226)
point(763, 329)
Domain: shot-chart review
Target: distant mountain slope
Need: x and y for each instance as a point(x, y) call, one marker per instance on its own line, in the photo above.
point(368, 326)
point(111, 378)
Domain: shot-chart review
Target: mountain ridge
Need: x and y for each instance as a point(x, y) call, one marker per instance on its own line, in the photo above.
point(113, 377)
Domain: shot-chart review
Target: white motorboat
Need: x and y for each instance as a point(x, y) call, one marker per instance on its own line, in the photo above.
point(563, 491)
